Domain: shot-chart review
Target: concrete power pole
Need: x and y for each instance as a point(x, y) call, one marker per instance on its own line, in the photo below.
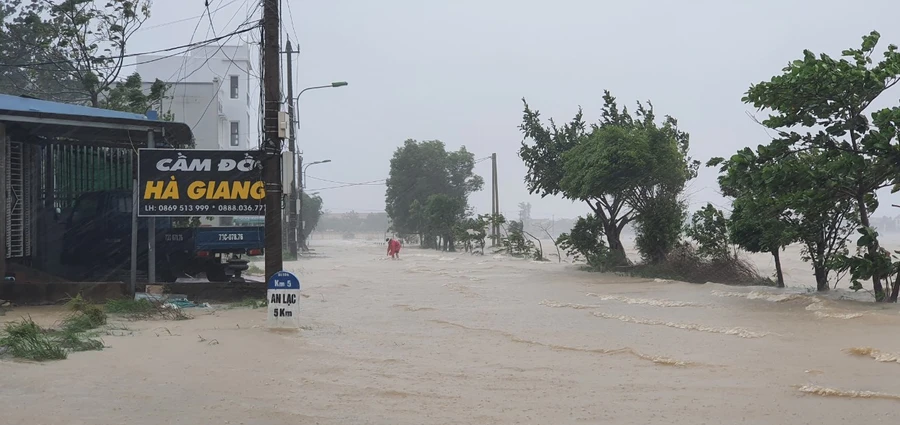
point(292, 148)
point(4, 145)
point(495, 201)
point(271, 159)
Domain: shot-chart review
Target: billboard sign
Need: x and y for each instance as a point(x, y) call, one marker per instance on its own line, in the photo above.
point(206, 183)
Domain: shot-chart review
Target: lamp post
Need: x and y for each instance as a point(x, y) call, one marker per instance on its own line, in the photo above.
point(300, 209)
point(293, 219)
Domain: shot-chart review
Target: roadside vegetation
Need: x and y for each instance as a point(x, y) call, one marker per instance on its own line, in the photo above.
point(813, 183)
point(79, 330)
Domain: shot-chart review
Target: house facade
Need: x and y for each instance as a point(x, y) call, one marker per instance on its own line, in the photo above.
point(213, 90)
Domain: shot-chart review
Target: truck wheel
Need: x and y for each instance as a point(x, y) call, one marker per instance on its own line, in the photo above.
point(238, 266)
point(215, 272)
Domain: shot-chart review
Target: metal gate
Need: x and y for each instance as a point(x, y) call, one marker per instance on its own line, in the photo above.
point(18, 202)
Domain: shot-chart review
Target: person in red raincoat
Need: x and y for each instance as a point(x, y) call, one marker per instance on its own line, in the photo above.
point(394, 248)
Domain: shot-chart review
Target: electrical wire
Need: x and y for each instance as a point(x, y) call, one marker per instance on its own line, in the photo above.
point(191, 46)
point(185, 19)
point(340, 182)
point(371, 183)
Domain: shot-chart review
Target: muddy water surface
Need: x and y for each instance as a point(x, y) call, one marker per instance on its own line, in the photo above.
point(459, 339)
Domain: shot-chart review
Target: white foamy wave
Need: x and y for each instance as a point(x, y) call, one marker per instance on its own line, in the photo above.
point(875, 354)
point(845, 316)
point(645, 301)
point(554, 304)
point(737, 331)
point(832, 392)
point(760, 295)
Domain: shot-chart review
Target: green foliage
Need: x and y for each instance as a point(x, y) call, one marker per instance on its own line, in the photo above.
point(866, 265)
point(516, 243)
point(828, 98)
point(585, 242)
point(709, 229)
point(128, 306)
point(624, 167)
point(659, 228)
point(71, 50)
point(250, 303)
point(428, 188)
point(312, 212)
point(24, 339)
point(129, 96)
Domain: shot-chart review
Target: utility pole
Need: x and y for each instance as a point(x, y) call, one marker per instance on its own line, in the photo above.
point(292, 148)
point(4, 145)
point(151, 229)
point(271, 161)
point(495, 201)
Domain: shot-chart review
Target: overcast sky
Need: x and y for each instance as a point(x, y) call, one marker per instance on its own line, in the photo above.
point(457, 71)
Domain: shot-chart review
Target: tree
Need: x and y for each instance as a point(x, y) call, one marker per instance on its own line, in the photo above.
point(420, 170)
point(312, 212)
point(709, 228)
point(546, 158)
point(624, 167)
point(834, 96)
point(768, 214)
point(71, 51)
point(759, 216)
point(129, 96)
point(586, 241)
point(525, 214)
point(442, 215)
point(30, 64)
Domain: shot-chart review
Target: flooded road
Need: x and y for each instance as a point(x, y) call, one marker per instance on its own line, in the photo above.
point(441, 338)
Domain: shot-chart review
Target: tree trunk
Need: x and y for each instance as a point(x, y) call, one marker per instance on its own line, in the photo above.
point(779, 275)
point(614, 239)
point(872, 248)
point(821, 278)
point(895, 290)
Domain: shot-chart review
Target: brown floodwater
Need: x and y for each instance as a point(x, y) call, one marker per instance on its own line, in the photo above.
point(451, 338)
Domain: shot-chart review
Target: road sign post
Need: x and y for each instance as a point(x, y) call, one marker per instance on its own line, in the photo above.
point(284, 300)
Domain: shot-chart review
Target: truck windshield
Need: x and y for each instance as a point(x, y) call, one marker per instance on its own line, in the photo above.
point(122, 204)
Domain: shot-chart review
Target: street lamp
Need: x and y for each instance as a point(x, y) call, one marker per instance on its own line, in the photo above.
point(335, 84)
point(292, 147)
point(300, 207)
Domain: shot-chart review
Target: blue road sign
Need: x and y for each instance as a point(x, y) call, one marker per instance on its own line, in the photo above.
point(284, 280)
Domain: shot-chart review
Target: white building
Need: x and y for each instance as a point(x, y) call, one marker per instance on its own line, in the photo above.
point(213, 90)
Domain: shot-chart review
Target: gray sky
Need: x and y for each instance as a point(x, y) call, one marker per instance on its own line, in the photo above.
point(457, 70)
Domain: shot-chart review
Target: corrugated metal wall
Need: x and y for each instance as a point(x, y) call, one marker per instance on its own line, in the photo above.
point(61, 172)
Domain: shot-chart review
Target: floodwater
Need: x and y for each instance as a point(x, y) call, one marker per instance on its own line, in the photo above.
point(452, 338)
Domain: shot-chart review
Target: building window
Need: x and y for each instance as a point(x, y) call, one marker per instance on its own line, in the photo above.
point(234, 86)
point(235, 133)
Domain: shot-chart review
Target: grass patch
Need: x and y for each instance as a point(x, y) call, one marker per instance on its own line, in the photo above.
point(24, 339)
point(249, 303)
point(684, 264)
point(129, 306)
point(144, 309)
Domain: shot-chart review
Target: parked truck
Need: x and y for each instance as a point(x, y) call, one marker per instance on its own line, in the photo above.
point(98, 237)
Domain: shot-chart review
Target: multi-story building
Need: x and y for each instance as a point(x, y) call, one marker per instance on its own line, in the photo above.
point(211, 89)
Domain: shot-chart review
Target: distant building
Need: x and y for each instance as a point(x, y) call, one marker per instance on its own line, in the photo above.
point(210, 89)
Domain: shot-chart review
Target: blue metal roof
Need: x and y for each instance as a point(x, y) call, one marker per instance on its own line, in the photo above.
point(24, 104)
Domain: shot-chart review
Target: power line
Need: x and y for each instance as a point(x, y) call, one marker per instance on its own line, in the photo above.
point(191, 46)
point(371, 183)
point(293, 27)
point(230, 63)
point(186, 19)
point(340, 182)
